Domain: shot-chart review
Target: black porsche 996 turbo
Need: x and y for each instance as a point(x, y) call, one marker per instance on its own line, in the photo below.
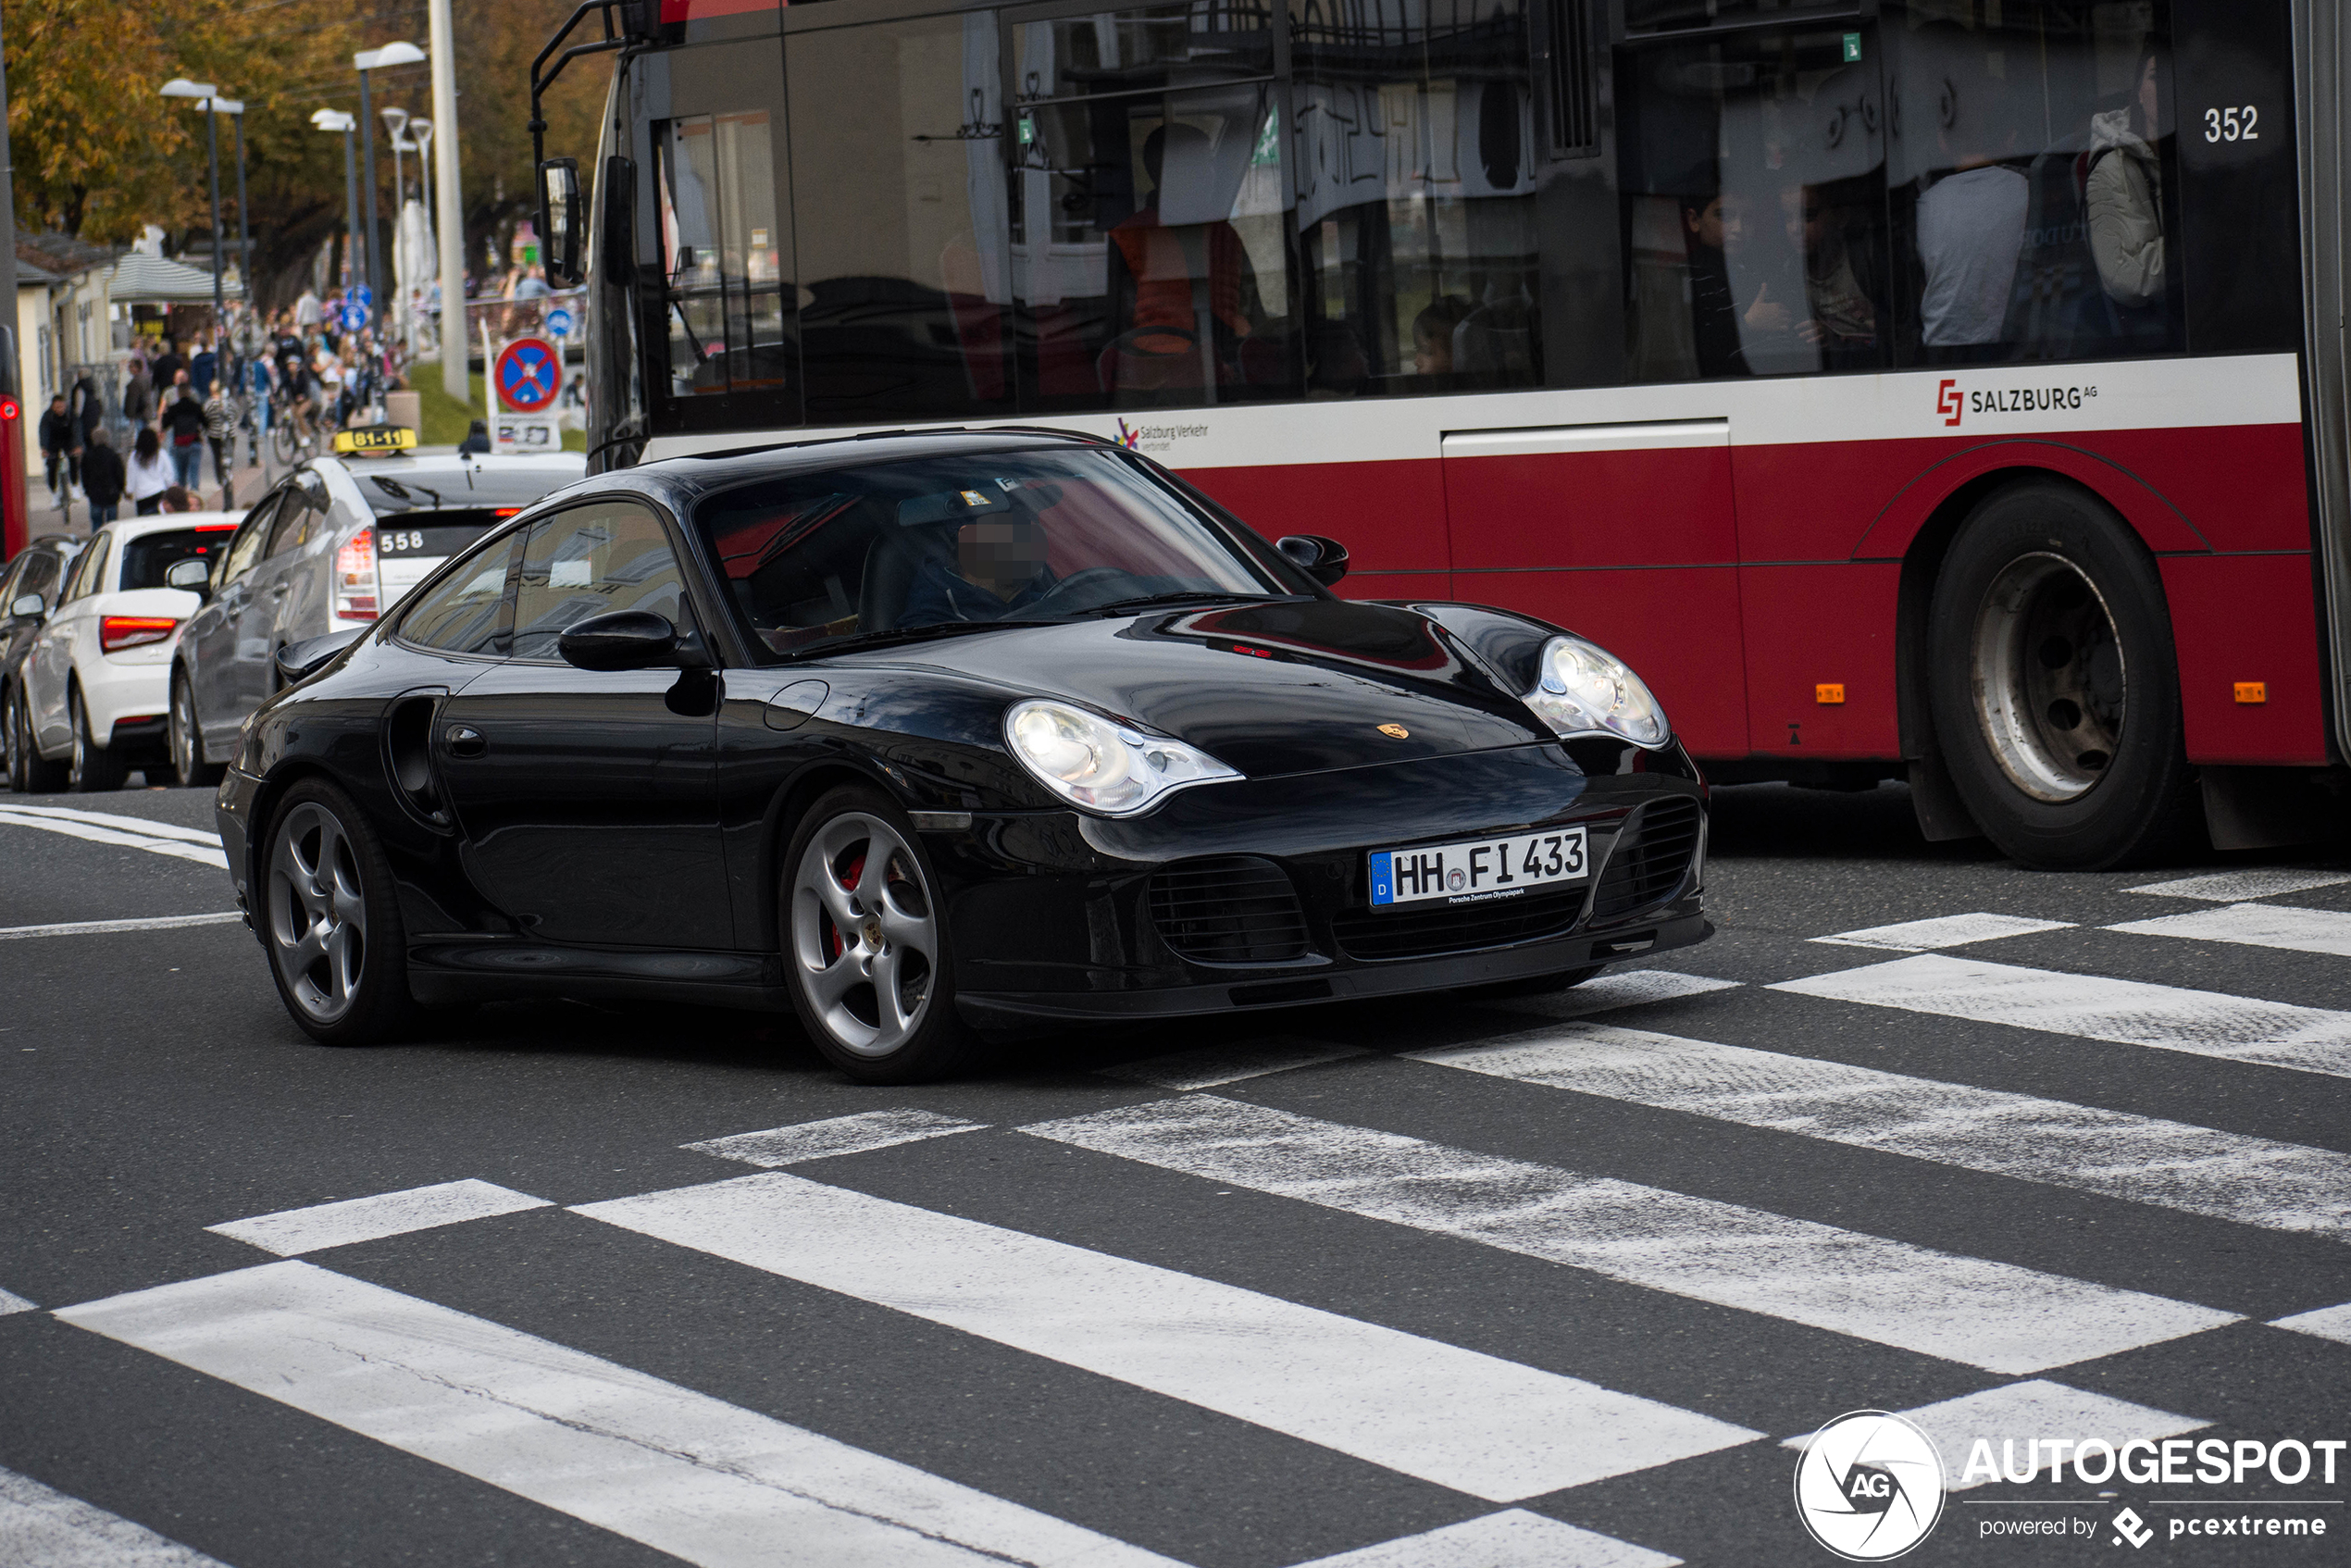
point(935, 737)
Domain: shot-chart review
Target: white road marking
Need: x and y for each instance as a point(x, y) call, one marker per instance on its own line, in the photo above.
point(292, 1232)
point(834, 1135)
point(41, 1527)
point(2171, 1164)
point(12, 1302)
point(676, 1470)
point(2010, 1416)
point(2256, 925)
point(91, 832)
point(2327, 1322)
point(1994, 1315)
point(1947, 930)
point(1512, 1539)
point(100, 927)
point(2233, 1028)
point(1609, 991)
point(1215, 1065)
point(2228, 886)
point(204, 836)
point(1480, 1424)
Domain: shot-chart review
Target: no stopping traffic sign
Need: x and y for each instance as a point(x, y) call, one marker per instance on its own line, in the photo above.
point(529, 375)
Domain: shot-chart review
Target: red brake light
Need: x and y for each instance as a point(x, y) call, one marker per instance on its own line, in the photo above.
point(117, 632)
point(505, 511)
point(8, 408)
point(216, 528)
point(356, 577)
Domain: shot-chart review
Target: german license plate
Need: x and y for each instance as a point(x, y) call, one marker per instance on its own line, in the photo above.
point(1478, 870)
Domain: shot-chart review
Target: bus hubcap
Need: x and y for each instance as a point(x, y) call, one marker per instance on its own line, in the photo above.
point(2050, 684)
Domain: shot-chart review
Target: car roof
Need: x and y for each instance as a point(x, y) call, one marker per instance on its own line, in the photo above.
point(160, 522)
point(699, 473)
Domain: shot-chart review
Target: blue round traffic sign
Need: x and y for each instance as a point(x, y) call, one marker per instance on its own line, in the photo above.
point(529, 375)
point(354, 317)
point(366, 296)
point(559, 322)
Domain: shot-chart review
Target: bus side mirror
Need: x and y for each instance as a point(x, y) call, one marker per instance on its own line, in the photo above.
point(559, 220)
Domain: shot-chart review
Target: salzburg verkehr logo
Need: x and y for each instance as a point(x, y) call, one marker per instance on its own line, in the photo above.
point(1869, 1486)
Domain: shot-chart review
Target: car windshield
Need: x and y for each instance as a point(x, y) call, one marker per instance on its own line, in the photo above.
point(931, 545)
point(148, 558)
point(503, 493)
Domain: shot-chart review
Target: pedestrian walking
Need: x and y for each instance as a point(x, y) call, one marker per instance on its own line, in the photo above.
point(257, 377)
point(60, 451)
point(150, 473)
point(164, 369)
point(102, 476)
point(204, 368)
point(221, 415)
point(182, 428)
point(138, 394)
point(307, 312)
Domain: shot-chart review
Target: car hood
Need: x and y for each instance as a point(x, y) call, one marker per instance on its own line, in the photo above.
point(1295, 687)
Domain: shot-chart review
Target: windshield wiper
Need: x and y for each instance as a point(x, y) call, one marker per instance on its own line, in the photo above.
point(1185, 596)
point(907, 634)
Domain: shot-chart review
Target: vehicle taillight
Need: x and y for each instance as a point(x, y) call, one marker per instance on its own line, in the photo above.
point(356, 577)
point(8, 408)
point(117, 632)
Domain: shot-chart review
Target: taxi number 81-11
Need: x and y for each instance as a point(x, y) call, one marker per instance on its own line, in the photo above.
point(1479, 869)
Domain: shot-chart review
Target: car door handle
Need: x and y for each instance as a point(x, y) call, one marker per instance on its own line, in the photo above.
point(464, 740)
point(280, 590)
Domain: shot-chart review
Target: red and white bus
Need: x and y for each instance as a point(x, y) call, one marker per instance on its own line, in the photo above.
point(1925, 388)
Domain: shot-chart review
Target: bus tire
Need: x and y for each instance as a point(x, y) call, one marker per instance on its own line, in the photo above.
point(2054, 686)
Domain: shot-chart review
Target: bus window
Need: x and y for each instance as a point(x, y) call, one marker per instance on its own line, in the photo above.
point(1416, 147)
point(1753, 180)
point(1150, 256)
point(2031, 183)
point(722, 255)
point(898, 155)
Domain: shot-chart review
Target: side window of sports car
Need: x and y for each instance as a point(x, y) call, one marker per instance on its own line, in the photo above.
point(605, 555)
point(467, 614)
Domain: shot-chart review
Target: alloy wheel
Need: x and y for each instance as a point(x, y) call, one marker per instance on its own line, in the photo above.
point(863, 933)
point(317, 912)
point(183, 732)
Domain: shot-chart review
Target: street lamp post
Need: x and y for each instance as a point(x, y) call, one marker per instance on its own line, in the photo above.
point(342, 123)
point(395, 120)
point(235, 109)
point(420, 138)
point(367, 60)
point(180, 87)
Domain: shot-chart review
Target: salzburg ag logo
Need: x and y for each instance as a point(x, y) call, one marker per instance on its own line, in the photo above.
point(1869, 1486)
point(1947, 401)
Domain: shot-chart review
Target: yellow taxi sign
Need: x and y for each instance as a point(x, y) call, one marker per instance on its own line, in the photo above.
point(379, 440)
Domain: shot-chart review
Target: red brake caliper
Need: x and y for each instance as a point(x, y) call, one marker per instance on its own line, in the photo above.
point(849, 884)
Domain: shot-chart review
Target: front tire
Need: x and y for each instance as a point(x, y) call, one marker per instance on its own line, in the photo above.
point(330, 920)
point(865, 943)
point(91, 769)
point(187, 738)
point(2054, 685)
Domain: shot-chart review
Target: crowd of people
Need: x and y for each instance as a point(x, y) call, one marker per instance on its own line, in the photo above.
point(181, 400)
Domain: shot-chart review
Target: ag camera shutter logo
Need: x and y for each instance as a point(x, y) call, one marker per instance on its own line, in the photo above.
point(1869, 1486)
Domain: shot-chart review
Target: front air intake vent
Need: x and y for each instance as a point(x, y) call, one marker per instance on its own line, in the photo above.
point(1652, 855)
point(1228, 909)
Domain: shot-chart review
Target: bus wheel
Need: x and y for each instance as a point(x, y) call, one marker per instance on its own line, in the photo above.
point(2054, 687)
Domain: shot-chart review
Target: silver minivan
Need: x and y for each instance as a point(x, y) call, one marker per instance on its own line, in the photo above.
point(334, 546)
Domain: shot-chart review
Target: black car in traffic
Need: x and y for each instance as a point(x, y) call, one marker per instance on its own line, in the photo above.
point(939, 736)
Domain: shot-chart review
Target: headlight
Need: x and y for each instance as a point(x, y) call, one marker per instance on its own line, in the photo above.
point(1102, 766)
point(1580, 690)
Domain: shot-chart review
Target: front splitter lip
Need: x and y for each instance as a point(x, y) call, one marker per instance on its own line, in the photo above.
point(1354, 983)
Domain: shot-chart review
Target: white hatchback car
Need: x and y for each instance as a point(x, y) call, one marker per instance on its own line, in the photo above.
point(95, 687)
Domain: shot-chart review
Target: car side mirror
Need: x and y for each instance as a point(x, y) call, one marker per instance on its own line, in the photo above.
point(31, 605)
point(559, 220)
point(620, 640)
point(194, 574)
point(1323, 559)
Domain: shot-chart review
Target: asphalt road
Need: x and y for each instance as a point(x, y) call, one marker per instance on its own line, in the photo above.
point(1244, 1294)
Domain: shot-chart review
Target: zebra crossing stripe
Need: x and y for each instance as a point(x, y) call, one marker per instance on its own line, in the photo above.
point(41, 1527)
point(673, 1469)
point(2171, 1165)
point(2327, 1322)
point(2229, 886)
point(1512, 1539)
point(18, 816)
point(2254, 925)
point(2232, 1029)
point(1947, 930)
point(1611, 991)
point(12, 1302)
point(1214, 1065)
point(1994, 1315)
point(104, 928)
point(140, 825)
point(835, 1135)
point(292, 1232)
point(2011, 1416)
point(1489, 1427)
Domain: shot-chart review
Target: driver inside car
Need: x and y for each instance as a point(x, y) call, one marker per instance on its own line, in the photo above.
point(997, 568)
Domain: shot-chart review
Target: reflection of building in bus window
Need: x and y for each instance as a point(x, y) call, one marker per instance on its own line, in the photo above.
point(1180, 279)
point(2124, 194)
point(1970, 222)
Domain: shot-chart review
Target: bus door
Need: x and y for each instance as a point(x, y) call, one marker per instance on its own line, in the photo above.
point(1622, 533)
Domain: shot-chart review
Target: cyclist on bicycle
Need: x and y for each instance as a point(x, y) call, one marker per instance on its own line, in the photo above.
point(297, 388)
